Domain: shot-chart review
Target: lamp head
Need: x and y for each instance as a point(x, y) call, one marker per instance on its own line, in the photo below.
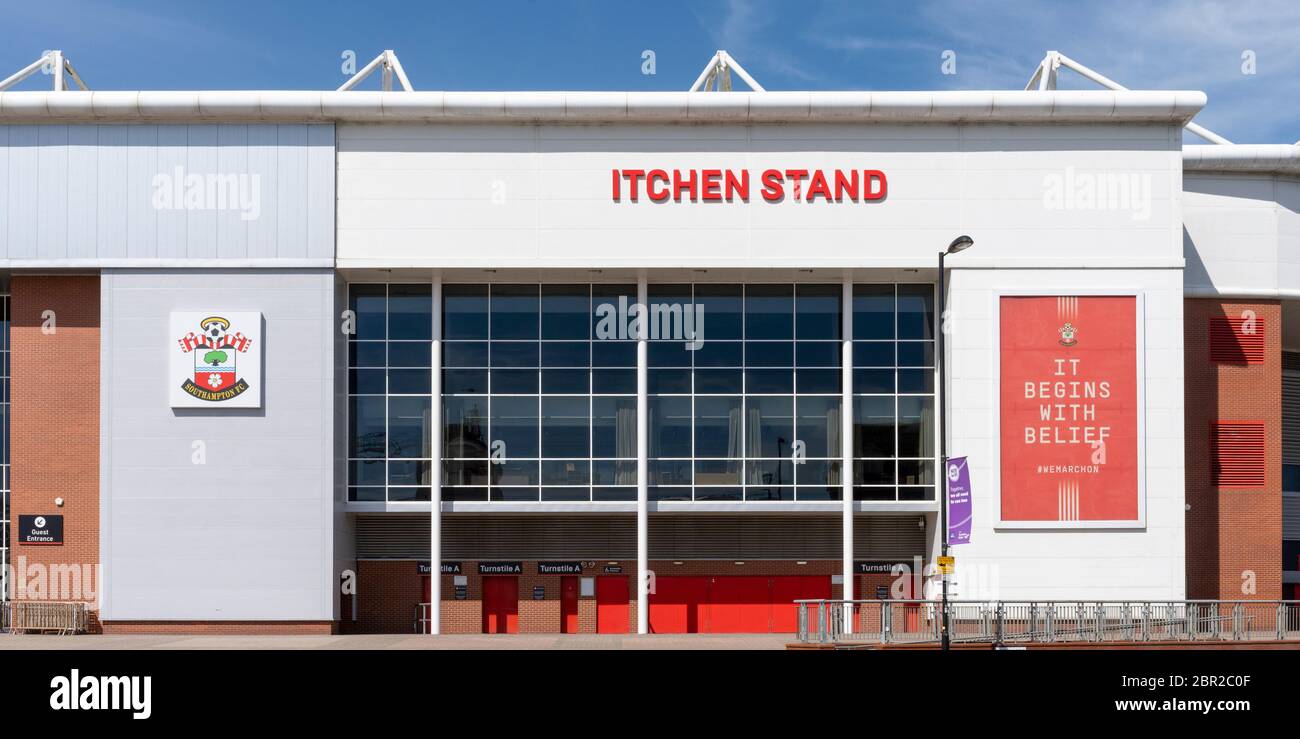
point(960, 243)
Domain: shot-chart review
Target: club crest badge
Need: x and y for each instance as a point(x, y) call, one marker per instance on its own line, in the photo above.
point(1068, 335)
point(216, 360)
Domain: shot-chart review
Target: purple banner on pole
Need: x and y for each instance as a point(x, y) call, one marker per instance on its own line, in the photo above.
point(959, 504)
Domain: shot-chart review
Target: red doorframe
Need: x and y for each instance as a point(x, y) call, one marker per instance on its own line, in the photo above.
point(613, 615)
point(568, 605)
point(500, 604)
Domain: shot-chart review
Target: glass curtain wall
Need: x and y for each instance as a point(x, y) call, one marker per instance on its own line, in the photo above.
point(539, 392)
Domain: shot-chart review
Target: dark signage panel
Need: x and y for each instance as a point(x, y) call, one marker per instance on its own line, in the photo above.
point(500, 568)
point(559, 568)
point(40, 529)
point(448, 568)
point(879, 567)
point(539, 592)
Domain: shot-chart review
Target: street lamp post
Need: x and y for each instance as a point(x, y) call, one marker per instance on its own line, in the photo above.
point(958, 244)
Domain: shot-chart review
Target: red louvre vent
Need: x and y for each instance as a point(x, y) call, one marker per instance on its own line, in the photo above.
point(1236, 340)
point(1238, 454)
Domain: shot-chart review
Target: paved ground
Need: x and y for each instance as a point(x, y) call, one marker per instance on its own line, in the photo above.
point(400, 641)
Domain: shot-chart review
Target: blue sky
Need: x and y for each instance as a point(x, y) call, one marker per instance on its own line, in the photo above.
point(589, 45)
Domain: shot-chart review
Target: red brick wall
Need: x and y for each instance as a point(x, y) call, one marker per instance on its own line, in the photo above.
point(54, 426)
point(217, 628)
point(1232, 532)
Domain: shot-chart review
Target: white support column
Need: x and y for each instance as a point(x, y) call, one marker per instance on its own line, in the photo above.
point(435, 471)
point(846, 442)
point(642, 466)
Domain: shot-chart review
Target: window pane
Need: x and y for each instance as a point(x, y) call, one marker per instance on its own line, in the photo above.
point(719, 381)
point(607, 321)
point(819, 426)
point(669, 381)
point(515, 425)
point(566, 381)
point(410, 312)
point(409, 427)
point(565, 311)
point(669, 471)
point(873, 311)
point(873, 353)
point(464, 311)
point(759, 381)
point(514, 311)
point(465, 354)
point(566, 472)
point(769, 354)
point(717, 472)
point(769, 472)
point(410, 381)
point(670, 427)
point(817, 354)
point(915, 311)
point(873, 426)
point(367, 381)
point(817, 311)
point(464, 431)
point(515, 354)
point(720, 354)
point(723, 310)
point(769, 312)
point(408, 473)
point(873, 381)
point(517, 472)
point(717, 427)
point(613, 381)
point(410, 354)
point(464, 381)
point(474, 472)
point(916, 354)
point(514, 382)
point(367, 418)
point(770, 427)
point(368, 303)
point(566, 354)
point(366, 472)
point(565, 427)
point(873, 472)
point(366, 353)
point(613, 432)
point(613, 354)
point(915, 426)
point(613, 472)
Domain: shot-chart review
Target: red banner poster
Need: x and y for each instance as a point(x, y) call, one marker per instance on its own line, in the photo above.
point(1069, 410)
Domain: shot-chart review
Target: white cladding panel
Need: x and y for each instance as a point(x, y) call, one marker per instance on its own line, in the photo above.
point(87, 195)
point(540, 196)
point(1116, 564)
point(217, 514)
point(1242, 235)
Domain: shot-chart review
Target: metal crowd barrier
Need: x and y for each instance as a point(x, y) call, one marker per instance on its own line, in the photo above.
point(1003, 622)
point(21, 617)
point(422, 618)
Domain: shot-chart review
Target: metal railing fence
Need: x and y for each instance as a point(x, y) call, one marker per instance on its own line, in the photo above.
point(20, 617)
point(1010, 622)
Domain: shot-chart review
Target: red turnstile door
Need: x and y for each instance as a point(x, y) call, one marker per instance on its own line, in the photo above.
point(786, 590)
point(500, 605)
point(678, 605)
point(739, 605)
point(613, 616)
point(568, 605)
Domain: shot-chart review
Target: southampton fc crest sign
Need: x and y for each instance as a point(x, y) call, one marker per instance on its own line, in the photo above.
point(216, 360)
